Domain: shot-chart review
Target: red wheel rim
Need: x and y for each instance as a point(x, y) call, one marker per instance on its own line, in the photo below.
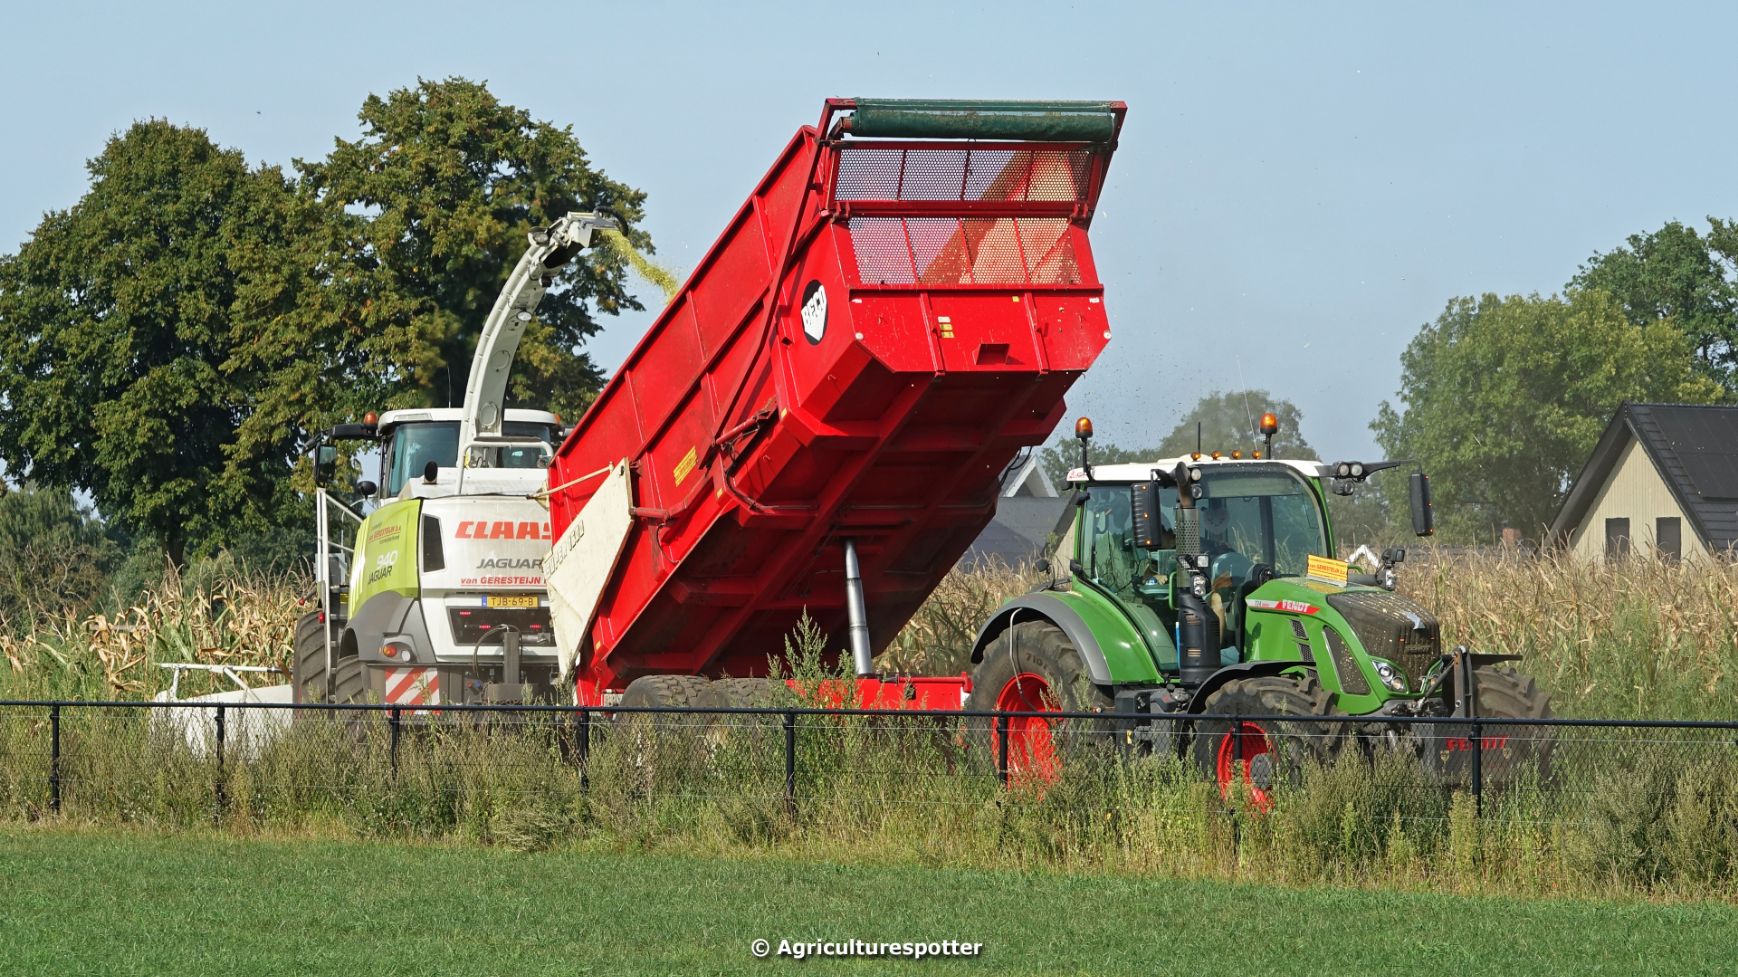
point(1031, 749)
point(1245, 753)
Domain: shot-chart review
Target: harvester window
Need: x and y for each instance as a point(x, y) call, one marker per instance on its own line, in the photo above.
point(413, 446)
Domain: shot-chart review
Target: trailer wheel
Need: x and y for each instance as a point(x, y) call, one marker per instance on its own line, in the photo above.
point(1263, 754)
point(1033, 667)
point(661, 749)
point(1512, 751)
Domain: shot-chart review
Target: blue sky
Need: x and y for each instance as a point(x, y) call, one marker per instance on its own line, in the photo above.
point(1298, 189)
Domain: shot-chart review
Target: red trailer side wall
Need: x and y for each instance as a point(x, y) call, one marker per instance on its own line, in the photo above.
point(951, 298)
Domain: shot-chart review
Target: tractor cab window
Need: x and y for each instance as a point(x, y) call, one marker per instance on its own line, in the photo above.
point(414, 445)
point(1266, 515)
point(1112, 558)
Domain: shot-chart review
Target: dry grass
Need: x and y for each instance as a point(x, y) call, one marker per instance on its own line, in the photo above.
point(1639, 638)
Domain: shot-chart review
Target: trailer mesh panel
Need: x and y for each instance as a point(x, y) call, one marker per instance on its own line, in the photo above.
point(1050, 174)
point(964, 251)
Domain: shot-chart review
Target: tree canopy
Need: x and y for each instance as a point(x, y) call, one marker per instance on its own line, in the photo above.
point(1502, 399)
point(1676, 275)
point(134, 337)
point(170, 343)
point(431, 206)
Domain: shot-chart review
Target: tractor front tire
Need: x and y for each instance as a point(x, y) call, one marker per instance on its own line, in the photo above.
point(1264, 756)
point(1034, 667)
point(1512, 752)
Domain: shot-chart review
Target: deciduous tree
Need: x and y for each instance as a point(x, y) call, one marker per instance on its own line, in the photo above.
point(1502, 399)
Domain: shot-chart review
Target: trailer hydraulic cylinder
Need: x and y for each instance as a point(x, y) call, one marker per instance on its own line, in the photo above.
point(857, 613)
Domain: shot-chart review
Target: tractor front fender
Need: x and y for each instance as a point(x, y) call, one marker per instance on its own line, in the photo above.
point(1231, 673)
point(1110, 647)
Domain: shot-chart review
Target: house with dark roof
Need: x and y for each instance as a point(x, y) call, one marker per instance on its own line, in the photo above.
point(1028, 515)
point(1663, 481)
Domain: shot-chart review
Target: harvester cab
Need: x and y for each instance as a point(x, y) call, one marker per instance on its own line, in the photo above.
point(439, 596)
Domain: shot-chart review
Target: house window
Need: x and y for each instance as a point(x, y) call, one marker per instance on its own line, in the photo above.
point(1669, 538)
point(1616, 538)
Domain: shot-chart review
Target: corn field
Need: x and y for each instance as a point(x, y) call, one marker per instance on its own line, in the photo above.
point(1633, 639)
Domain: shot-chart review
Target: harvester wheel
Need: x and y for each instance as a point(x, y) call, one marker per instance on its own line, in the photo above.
point(1510, 752)
point(1034, 667)
point(308, 667)
point(1263, 754)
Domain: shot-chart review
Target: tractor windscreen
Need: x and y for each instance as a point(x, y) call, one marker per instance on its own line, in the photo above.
point(1267, 515)
point(413, 446)
point(1249, 515)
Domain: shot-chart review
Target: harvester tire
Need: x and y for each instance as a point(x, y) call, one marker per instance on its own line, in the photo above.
point(1512, 752)
point(1034, 667)
point(308, 666)
point(1254, 757)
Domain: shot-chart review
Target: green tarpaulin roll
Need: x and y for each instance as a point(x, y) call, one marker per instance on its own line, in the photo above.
point(967, 119)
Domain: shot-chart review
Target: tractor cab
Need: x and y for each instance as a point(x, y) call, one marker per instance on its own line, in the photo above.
point(1255, 521)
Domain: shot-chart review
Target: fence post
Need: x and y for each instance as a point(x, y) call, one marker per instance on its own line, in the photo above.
point(217, 816)
point(54, 758)
point(1478, 773)
point(791, 761)
point(1002, 724)
point(582, 748)
point(393, 724)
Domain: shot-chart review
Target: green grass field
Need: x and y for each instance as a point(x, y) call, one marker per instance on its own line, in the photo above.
point(85, 902)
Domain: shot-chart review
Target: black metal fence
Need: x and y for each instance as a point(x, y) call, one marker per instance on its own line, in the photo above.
point(269, 761)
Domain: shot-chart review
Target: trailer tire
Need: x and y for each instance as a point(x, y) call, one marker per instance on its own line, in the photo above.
point(744, 739)
point(1513, 751)
point(1033, 667)
point(662, 750)
point(1258, 756)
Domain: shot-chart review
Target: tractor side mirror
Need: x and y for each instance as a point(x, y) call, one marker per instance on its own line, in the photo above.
point(1423, 522)
point(325, 464)
point(1149, 527)
point(366, 488)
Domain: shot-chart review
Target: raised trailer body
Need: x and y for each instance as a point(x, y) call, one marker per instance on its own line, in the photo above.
point(895, 312)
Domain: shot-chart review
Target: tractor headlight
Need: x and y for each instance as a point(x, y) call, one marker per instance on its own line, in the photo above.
point(1391, 676)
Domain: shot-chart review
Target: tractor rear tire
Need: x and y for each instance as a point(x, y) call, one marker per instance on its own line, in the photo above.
point(1034, 667)
point(1262, 755)
point(1510, 752)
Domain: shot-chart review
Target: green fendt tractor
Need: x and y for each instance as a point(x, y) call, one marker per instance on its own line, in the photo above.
point(1207, 585)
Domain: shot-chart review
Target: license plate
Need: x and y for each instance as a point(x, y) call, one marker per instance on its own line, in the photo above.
point(510, 600)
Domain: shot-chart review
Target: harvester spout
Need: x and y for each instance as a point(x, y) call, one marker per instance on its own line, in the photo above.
point(486, 390)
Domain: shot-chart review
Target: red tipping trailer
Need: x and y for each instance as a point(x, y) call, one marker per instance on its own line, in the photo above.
point(893, 314)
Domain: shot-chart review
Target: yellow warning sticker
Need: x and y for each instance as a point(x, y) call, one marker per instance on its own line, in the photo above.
point(1328, 571)
point(685, 467)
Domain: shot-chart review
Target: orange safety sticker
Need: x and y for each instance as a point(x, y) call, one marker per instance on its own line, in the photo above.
point(413, 687)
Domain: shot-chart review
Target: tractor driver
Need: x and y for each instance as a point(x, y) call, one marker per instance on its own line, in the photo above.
point(1228, 568)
